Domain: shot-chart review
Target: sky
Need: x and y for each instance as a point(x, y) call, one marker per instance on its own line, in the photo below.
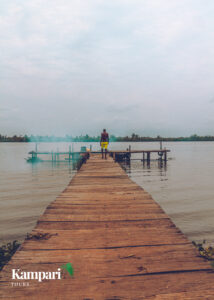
point(76, 67)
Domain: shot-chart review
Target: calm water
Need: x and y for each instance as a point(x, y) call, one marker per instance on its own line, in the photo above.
point(184, 187)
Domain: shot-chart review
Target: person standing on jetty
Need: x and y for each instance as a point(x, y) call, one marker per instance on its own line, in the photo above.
point(104, 140)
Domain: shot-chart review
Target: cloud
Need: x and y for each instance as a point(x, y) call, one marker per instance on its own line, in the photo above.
point(136, 63)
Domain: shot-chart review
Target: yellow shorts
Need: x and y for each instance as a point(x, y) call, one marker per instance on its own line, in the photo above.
point(104, 145)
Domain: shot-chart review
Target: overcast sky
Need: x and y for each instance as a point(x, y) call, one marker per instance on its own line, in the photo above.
point(75, 67)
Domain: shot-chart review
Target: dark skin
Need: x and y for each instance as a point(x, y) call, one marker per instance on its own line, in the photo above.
point(106, 140)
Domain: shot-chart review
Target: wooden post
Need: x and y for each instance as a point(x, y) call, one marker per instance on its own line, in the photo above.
point(129, 148)
point(69, 157)
point(57, 151)
point(165, 155)
point(114, 155)
point(148, 157)
point(143, 156)
point(160, 154)
point(36, 149)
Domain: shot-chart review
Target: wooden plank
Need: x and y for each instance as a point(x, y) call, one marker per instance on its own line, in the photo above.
point(106, 237)
point(102, 210)
point(67, 225)
point(89, 218)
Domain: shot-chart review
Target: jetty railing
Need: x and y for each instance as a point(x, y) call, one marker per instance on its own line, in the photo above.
point(117, 155)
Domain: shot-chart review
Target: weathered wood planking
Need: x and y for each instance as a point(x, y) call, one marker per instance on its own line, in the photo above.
point(120, 242)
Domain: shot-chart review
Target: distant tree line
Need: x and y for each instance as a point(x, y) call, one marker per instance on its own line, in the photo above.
point(136, 138)
point(39, 138)
point(15, 138)
point(86, 138)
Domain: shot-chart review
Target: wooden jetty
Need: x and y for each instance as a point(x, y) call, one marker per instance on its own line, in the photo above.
point(120, 242)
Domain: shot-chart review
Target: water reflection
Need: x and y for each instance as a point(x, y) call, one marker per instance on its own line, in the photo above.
point(54, 167)
point(137, 164)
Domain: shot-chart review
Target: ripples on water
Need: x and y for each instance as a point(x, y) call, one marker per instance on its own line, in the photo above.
point(184, 187)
